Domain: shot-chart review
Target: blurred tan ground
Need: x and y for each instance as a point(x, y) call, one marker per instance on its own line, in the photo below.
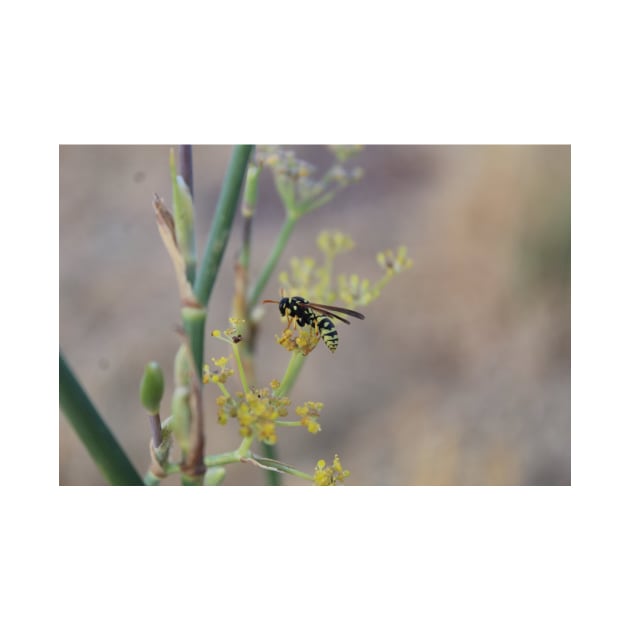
point(459, 375)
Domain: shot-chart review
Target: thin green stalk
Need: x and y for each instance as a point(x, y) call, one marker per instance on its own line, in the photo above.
point(231, 457)
point(319, 201)
point(221, 459)
point(272, 261)
point(239, 363)
point(92, 430)
point(250, 202)
point(290, 376)
point(217, 241)
point(251, 458)
point(246, 444)
point(222, 223)
point(224, 390)
point(273, 476)
point(243, 305)
point(195, 325)
point(279, 466)
point(185, 165)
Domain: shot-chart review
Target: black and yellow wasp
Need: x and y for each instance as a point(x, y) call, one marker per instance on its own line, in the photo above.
point(305, 313)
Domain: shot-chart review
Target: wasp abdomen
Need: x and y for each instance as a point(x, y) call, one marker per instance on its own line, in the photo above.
point(328, 332)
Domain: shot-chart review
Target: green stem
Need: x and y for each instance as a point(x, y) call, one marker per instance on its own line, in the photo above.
point(234, 457)
point(224, 390)
point(246, 444)
point(217, 241)
point(221, 459)
point(279, 466)
point(195, 324)
point(273, 476)
point(272, 261)
point(290, 376)
point(239, 363)
point(250, 201)
point(92, 430)
point(222, 223)
point(318, 202)
point(185, 165)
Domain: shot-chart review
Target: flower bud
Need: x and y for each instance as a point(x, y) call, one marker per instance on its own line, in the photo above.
point(214, 476)
point(152, 387)
point(184, 215)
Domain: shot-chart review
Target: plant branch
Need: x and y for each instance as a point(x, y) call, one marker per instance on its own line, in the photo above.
point(92, 430)
point(217, 241)
point(222, 223)
point(290, 376)
point(272, 261)
point(185, 165)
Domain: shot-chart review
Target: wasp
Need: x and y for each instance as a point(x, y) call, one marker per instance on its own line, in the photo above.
point(319, 316)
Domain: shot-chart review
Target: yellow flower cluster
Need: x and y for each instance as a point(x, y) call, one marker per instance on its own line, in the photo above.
point(303, 276)
point(353, 291)
point(220, 374)
point(306, 339)
point(330, 475)
point(394, 263)
point(334, 243)
point(256, 412)
point(317, 284)
point(308, 413)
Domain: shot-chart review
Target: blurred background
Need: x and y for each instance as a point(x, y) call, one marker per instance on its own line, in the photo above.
point(460, 374)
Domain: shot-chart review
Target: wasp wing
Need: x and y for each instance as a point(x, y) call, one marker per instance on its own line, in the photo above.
point(323, 310)
point(340, 309)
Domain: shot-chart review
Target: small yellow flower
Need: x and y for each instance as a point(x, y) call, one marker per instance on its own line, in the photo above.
point(286, 340)
point(329, 475)
point(353, 291)
point(222, 417)
point(334, 243)
point(307, 340)
point(312, 426)
point(244, 415)
point(267, 432)
point(256, 412)
point(394, 263)
point(308, 413)
point(322, 476)
point(219, 375)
